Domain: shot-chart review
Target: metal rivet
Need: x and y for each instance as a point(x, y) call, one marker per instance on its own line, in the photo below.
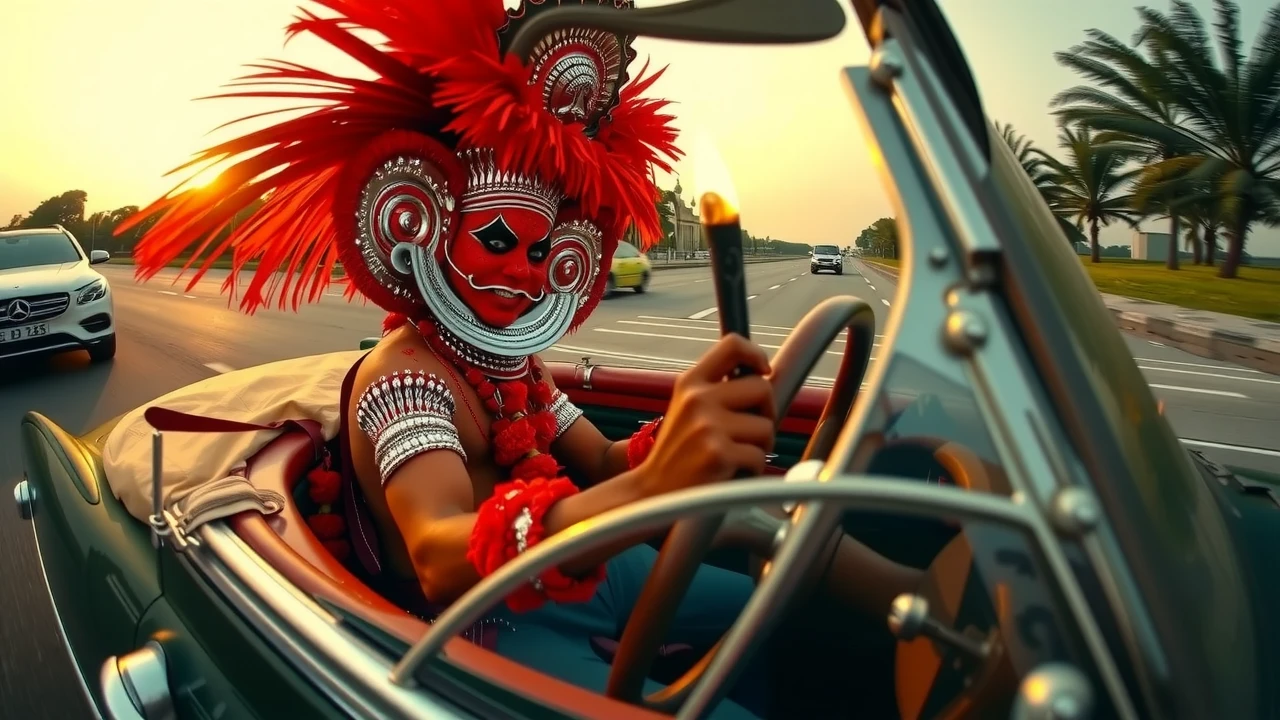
point(886, 65)
point(1054, 691)
point(1074, 511)
point(780, 536)
point(938, 257)
point(964, 332)
point(24, 496)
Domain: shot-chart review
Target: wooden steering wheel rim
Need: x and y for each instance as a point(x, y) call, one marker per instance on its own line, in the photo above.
point(689, 540)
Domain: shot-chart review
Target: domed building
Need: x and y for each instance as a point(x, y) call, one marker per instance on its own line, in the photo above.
point(687, 237)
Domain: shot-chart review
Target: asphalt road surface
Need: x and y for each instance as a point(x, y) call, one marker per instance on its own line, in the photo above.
point(170, 336)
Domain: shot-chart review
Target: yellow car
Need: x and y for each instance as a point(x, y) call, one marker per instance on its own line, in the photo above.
point(631, 269)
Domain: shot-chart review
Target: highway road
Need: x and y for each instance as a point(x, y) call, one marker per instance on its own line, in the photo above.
point(170, 336)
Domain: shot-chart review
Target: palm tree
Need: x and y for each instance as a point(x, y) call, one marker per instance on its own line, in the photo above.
point(1130, 95)
point(1092, 183)
point(1032, 161)
point(1228, 125)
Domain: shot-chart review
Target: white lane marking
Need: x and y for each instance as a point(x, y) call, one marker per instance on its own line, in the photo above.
point(775, 287)
point(190, 297)
point(1212, 375)
point(166, 292)
point(686, 337)
point(1234, 448)
point(704, 280)
point(704, 313)
point(1153, 342)
point(661, 317)
point(793, 279)
point(219, 368)
point(1199, 365)
point(873, 287)
point(1202, 391)
point(886, 302)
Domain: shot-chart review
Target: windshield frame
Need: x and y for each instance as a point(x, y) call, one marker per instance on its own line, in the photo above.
point(1085, 414)
point(826, 250)
point(32, 239)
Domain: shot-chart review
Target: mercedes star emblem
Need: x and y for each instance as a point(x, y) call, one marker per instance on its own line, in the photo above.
point(19, 310)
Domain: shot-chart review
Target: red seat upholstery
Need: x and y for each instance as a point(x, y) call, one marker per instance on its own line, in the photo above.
point(286, 543)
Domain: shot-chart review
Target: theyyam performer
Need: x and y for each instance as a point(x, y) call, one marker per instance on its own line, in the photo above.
point(478, 199)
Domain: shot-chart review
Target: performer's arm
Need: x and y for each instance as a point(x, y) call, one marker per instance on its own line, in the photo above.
point(580, 445)
point(720, 427)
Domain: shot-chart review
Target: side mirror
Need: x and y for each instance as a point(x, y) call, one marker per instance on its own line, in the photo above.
point(368, 342)
point(97, 257)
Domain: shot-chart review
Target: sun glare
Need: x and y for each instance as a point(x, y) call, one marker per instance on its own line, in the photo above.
point(203, 179)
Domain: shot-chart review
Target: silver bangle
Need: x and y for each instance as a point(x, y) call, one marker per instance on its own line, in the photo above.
point(522, 525)
point(566, 412)
point(406, 415)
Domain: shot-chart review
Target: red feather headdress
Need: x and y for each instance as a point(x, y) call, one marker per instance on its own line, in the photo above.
point(441, 73)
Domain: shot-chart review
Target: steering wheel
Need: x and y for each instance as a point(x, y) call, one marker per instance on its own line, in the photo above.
point(689, 540)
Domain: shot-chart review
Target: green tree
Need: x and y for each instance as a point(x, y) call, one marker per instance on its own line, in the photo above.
point(15, 222)
point(666, 216)
point(1093, 183)
point(66, 210)
point(1033, 163)
point(1131, 94)
point(883, 236)
point(1229, 123)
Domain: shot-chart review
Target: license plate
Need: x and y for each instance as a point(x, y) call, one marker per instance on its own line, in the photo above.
point(26, 332)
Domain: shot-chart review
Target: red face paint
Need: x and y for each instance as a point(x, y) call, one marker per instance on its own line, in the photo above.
point(497, 261)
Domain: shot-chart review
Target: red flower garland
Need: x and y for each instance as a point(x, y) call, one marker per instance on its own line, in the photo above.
point(323, 485)
point(494, 542)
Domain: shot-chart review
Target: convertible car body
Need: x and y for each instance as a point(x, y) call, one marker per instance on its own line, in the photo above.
point(1078, 561)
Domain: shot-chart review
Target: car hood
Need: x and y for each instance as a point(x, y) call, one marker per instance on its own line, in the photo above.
point(826, 257)
point(63, 277)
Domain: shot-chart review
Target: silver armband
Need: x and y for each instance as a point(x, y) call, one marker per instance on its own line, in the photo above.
point(566, 412)
point(405, 415)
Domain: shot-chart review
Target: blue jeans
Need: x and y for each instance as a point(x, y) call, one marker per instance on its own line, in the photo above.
point(556, 638)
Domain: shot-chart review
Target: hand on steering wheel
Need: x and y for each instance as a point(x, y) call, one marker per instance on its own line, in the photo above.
point(689, 540)
point(718, 425)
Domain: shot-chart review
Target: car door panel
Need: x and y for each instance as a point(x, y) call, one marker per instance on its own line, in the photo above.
point(618, 400)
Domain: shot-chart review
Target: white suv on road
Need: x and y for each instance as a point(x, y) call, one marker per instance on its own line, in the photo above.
point(51, 300)
point(826, 257)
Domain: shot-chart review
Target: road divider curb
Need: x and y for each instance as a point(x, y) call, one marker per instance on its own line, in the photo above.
point(1201, 340)
point(1252, 352)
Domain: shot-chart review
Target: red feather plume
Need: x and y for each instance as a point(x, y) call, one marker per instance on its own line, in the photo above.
point(440, 74)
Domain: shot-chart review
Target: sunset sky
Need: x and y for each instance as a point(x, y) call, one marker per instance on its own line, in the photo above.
point(98, 96)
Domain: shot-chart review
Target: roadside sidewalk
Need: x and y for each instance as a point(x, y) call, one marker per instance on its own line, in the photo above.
point(1245, 341)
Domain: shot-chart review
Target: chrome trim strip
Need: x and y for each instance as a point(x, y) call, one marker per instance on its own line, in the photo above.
point(48, 349)
point(62, 631)
point(341, 665)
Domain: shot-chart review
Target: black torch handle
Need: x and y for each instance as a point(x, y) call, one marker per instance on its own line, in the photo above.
point(725, 243)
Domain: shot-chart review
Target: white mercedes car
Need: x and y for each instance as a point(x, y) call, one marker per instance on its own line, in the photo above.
point(51, 300)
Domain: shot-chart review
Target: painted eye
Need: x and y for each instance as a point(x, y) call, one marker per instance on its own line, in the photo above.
point(539, 250)
point(496, 237)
